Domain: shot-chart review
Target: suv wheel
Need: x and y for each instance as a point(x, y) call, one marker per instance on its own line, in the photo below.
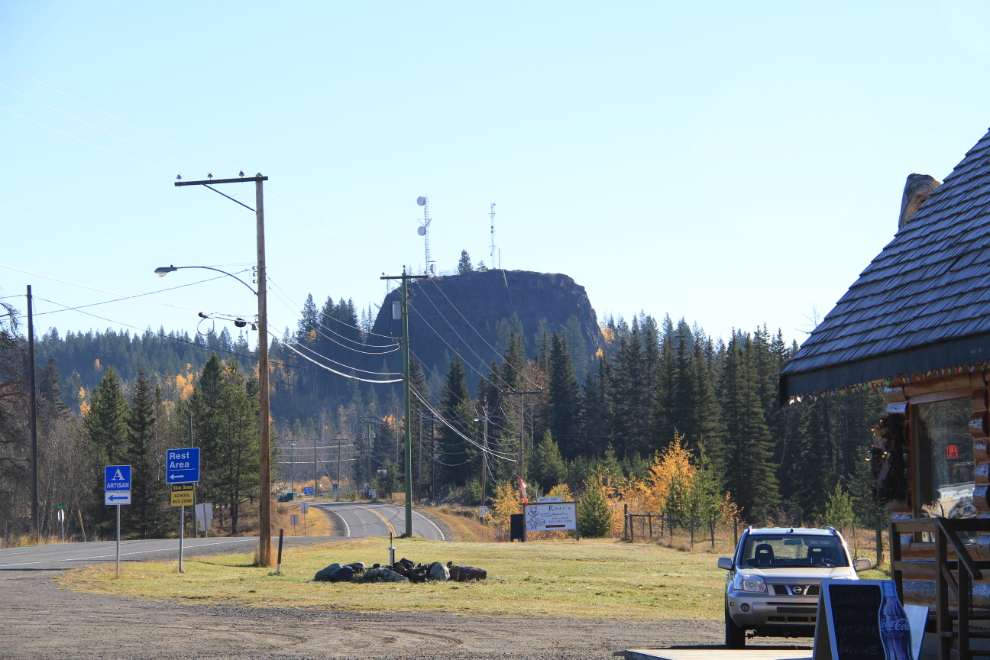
point(735, 637)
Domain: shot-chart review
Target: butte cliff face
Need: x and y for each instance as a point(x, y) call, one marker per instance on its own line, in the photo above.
point(474, 313)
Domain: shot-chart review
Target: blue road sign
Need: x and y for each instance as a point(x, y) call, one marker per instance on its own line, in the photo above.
point(308, 490)
point(182, 466)
point(118, 477)
point(335, 489)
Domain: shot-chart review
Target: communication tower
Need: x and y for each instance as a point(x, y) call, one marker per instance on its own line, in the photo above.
point(491, 214)
point(424, 231)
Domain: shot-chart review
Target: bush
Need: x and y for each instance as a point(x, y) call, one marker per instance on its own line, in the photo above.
point(594, 515)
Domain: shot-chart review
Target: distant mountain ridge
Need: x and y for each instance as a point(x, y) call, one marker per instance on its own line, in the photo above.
point(474, 313)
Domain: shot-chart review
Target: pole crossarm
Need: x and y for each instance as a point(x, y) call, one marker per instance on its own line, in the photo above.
point(212, 181)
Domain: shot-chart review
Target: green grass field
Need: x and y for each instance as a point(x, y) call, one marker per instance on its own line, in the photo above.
point(583, 579)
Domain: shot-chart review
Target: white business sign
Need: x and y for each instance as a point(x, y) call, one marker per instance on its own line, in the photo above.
point(549, 517)
point(549, 499)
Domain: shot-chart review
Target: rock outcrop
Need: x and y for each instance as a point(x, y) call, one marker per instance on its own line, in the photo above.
point(492, 302)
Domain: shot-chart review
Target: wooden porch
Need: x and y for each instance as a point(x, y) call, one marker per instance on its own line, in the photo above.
point(954, 571)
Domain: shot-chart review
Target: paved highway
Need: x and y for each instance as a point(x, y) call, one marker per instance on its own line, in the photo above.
point(379, 519)
point(72, 555)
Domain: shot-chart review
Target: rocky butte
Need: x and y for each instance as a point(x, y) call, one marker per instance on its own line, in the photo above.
point(474, 313)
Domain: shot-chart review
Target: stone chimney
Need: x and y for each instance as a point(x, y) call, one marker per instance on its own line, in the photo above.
point(917, 189)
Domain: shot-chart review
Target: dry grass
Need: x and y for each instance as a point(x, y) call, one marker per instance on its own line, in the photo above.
point(602, 578)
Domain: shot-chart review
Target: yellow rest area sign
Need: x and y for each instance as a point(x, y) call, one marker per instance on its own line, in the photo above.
point(182, 494)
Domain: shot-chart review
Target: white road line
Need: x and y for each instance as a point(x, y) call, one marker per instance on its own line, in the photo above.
point(346, 528)
point(123, 554)
point(442, 537)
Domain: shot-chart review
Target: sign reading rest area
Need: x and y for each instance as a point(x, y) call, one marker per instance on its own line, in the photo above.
point(182, 466)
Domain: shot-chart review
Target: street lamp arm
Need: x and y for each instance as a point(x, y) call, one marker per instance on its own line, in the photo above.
point(165, 270)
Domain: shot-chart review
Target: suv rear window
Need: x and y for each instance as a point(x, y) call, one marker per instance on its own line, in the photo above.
point(787, 550)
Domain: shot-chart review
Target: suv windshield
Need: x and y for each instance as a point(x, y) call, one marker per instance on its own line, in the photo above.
point(789, 550)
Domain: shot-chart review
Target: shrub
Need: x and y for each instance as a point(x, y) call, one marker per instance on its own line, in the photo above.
point(594, 514)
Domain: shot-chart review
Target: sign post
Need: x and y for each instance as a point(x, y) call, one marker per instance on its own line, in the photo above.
point(304, 509)
point(61, 519)
point(182, 468)
point(117, 491)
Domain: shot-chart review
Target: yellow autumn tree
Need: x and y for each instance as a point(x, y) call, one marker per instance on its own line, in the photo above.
point(507, 502)
point(669, 483)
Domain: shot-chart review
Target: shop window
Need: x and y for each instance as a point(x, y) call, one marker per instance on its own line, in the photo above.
point(944, 465)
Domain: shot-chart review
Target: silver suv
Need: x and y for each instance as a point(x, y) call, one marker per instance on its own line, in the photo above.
point(774, 578)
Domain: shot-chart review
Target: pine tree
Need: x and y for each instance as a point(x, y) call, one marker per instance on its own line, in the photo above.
point(145, 517)
point(547, 469)
point(462, 459)
point(594, 515)
point(106, 429)
point(752, 481)
point(564, 398)
point(464, 265)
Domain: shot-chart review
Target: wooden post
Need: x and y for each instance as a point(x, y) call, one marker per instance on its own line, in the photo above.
point(879, 541)
point(625, 522)
point(943, 620)
point(82, 527)
point(264, 449)
point(651, 525)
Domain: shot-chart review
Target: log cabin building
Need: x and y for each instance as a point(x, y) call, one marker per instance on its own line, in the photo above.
point(916, 323)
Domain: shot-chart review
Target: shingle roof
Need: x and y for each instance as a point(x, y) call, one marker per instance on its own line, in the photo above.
point(928, 289)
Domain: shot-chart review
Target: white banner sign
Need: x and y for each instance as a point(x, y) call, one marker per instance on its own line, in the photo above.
point(546, 517)
point(549, 499)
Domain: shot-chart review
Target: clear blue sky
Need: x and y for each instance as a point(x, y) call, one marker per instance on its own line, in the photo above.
point(736, 163)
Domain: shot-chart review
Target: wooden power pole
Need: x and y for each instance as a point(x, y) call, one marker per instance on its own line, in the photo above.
point(265, 468)
point(407, 409)
point(522, 398)
point(35, 526)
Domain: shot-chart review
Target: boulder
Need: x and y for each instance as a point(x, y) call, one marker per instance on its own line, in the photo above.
point(343, 575)
point(464, 573)
point(357, 567)
point(382, 575)
point(438, 572)
point(406, 564)
point(326, 575)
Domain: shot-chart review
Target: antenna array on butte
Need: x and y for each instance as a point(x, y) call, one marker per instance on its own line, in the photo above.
point(424, 231)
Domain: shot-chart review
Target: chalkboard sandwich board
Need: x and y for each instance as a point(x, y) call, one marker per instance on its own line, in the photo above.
point(861, 620)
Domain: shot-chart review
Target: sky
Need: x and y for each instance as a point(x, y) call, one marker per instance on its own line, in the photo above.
point(735, 164)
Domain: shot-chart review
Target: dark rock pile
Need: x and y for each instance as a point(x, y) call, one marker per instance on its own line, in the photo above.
point(403, 570)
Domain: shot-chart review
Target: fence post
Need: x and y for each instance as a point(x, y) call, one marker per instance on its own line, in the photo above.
point(651, 525)
point(735, 532)
point(625, 522)
point(692, 533)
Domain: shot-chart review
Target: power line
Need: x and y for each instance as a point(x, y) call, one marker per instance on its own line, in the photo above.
point(440, 418)
point(113, 293)
point(437, 285)
point(109, 151)
point(114, 118)
point(346, 366)
point(354, 327)
point(133, 144)
point(322, 366)
point(103, 238)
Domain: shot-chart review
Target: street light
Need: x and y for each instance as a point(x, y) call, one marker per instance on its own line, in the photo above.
point(162, 271)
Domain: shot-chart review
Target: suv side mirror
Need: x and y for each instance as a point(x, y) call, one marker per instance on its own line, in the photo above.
point(863, 565)
point(726, 564)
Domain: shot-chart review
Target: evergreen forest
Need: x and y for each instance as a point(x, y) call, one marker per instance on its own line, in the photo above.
point(108, 396)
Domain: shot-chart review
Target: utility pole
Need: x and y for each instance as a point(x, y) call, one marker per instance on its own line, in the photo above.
point(522, 398)
point(407, 409)
point(419, 479)
point(264, 446)
point(316, 472)
point(35, 526)
point(484, 461)
point(338, 469)
point(433, 462)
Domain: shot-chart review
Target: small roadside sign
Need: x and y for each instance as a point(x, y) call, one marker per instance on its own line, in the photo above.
point(61, 515)
point(117, 477)
point(304, 508)
point(117, 498)
point(294, 519)
point(549, 499)
point(308, 490)
point(183, 494)
point(482, 511)
point(182, 465)
point(60, 506)
point(335, 489)
point(373, 494)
